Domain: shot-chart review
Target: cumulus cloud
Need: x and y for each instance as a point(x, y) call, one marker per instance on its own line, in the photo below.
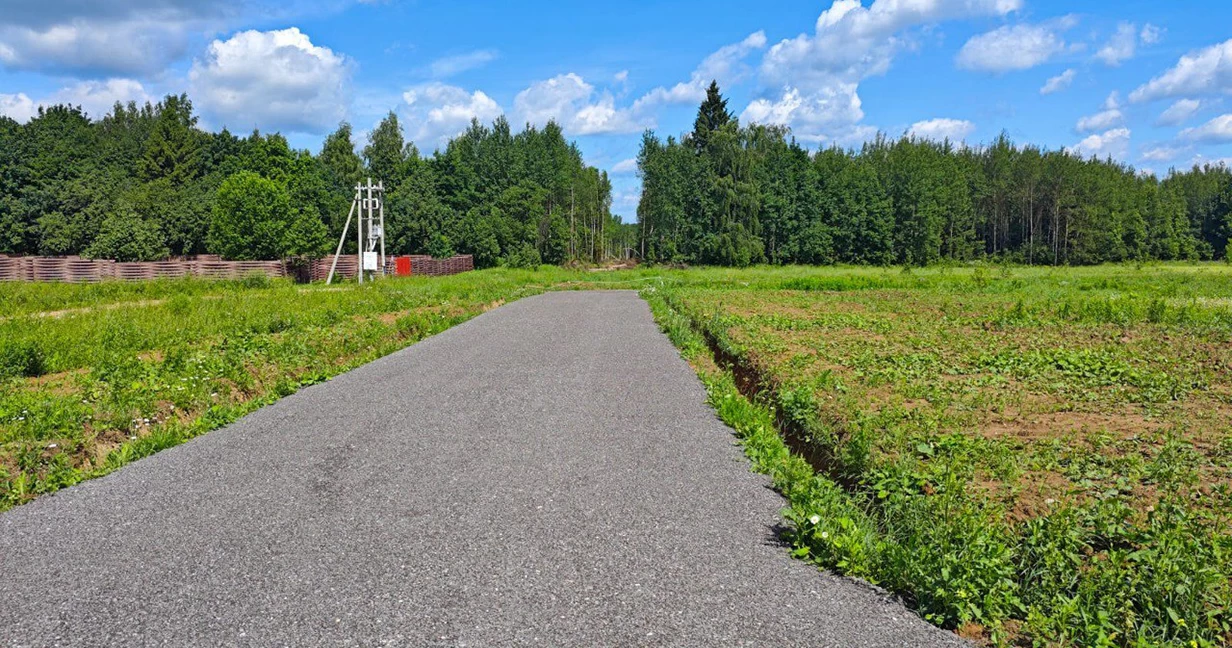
point(1015, 47)
point(725, 66)
point(1058, 82)
point(1124, 43)
point(954, 130)
point(576, 105)
point(18, 107)
point(1114, 143)
point(1218, 129)
point(1179, 112)
point(625, 167)
point(1205, 71)
point(453, 65)
point(827, 114)
point(439, 112)
point(96, 98)
point(113, 37)
point(272, 80)
point(1106, 118)
point(813, 79)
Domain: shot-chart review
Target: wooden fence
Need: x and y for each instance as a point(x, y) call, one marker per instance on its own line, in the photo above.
point(420, 265)
point(77, 269)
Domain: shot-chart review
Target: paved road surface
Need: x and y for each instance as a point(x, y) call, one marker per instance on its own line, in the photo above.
point(546, 474)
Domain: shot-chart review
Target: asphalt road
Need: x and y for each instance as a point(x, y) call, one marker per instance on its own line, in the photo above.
point(545, 474)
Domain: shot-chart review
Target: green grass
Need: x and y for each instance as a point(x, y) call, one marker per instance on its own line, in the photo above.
point(1027, 456)
point(122, 370)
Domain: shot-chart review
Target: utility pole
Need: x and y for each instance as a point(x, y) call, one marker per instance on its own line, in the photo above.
point(368, 208)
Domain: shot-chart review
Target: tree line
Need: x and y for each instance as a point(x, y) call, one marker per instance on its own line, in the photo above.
point(145, 183)
point(727, 194)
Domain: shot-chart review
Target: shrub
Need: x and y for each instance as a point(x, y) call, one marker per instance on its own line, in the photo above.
point(440, 247)
point(23, 358)
point(128, 237)
point(524, 256)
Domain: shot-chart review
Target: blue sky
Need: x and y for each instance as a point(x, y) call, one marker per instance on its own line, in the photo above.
point(1148, 83)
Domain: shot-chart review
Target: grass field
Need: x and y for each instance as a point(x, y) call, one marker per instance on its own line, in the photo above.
point(1026, 456)
point(95, 376)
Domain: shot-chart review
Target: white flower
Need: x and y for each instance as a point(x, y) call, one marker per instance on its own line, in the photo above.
point(825, 535)
point(816, 519)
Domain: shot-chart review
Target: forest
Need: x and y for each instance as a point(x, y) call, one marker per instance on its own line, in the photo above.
point(146, 183)
point(727, 194)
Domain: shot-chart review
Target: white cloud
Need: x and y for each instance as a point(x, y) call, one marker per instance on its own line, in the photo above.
point(1204, 71)
point(853, 41)
point(272, 80)
point(18, 107)
point(1105, 119)
point(452, 65)
point(1150, 34)
point(437, 112)
point(1202, 160)
point(1014, 47)
point(626, 201)
point(814, 78)
point(1058, 82)
point(1114, 143)
point(725, 66)
point(575, 105)
point(1124, 43)
point(104, 37)
point(625, 167)
point(96, 98)
point(829, 113)
point(1218, 129)
point(1179, 112)
point(954, 130)
point(1161, 153)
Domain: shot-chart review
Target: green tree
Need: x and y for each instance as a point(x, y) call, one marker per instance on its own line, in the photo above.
point(173, 149)
point(125, 236)
point(253, 219)
point(712, 115)
point(386, 152)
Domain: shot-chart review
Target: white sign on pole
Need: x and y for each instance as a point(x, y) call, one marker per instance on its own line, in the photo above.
point(370, 261)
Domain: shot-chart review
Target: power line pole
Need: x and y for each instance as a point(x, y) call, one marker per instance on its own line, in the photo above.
point(368, 208)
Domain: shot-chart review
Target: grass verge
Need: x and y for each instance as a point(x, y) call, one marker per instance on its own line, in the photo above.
point(1037, 463)
point(95, 377)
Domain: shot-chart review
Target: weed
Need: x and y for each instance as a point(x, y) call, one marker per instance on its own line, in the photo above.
point(1018, 453)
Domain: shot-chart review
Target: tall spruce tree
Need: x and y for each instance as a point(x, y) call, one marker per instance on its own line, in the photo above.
point(711, 116)
point(174, 145)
